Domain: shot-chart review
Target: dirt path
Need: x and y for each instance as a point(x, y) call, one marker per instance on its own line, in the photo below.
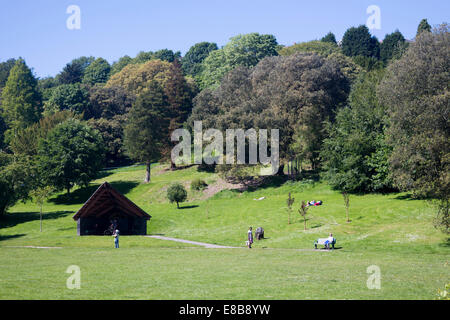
point(206, 245)
point(34, 247)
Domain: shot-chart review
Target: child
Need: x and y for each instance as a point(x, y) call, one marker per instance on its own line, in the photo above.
point(116, 238)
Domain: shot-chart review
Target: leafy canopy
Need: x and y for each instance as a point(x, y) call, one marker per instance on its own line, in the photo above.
point(71, 154)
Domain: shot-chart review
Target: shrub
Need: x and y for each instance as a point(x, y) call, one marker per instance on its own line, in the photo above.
point(176, 193)
point(198, 184)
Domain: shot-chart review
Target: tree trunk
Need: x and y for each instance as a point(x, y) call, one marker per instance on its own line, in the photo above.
point(280, 171)
point(173, 166)
point(305, 222)
point(2, 210)
point(147, 172)
point(40, 218)
point(178, 206)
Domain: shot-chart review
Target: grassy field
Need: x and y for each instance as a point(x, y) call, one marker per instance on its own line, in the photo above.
point(390, 231)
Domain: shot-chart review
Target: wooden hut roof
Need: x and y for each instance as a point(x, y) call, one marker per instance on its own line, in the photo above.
point(106, 199)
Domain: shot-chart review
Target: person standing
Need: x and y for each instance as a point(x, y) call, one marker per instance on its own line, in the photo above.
point(250, 237)
point(116, 238)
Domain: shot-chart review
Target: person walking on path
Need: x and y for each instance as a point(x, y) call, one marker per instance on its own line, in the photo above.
point(250, 238)
point(116, 238)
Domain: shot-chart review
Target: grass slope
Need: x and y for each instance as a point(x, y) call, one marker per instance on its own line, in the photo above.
point(390, 231)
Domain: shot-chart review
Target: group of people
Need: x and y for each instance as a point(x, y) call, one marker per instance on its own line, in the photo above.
point(314, 203)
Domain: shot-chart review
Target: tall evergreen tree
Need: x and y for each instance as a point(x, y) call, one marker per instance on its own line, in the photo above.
point(179, 97)
point(21, 101)
point(358, 41)
point(329, 37)
point(423, 26)
point(5, 68)
point(146, 128)
point(392, 45)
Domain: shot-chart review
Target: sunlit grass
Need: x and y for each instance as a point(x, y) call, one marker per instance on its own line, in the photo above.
point(391, 231)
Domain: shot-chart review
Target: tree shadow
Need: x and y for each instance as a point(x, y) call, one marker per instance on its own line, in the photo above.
point(445, 243)
point(407, 196)
point(313, 175)
point(13, 219)
point(211, 168)
point(124, 186)
point(81, 195)
point(273, 181)
point(180, 167)
point(411, 197)
point(189, 207)
point(103, 174)
point(12, 236)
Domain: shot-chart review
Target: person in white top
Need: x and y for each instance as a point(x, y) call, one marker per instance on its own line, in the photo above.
point(330, 240)
point(116, 238)
point(250, 237)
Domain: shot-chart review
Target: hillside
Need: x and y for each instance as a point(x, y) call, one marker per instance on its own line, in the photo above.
point(378, 221)
point(390, 231)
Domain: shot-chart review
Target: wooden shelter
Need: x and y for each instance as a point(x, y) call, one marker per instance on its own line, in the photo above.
point(106, 208)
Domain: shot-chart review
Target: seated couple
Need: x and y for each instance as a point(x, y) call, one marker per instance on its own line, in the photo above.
point(327, 242)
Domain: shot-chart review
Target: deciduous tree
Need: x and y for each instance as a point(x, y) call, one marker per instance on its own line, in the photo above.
point(242, 50)
point(416, 91)
point(176, 193)
point(72, 154)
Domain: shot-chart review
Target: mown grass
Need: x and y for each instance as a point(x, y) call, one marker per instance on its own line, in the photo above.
point(391, 231)
point(194, 273)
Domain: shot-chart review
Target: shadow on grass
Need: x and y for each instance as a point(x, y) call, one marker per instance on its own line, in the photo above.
point(445, 244)
point(13, 219)
point(410, 197)
point(267, 182)
point(275, 181)
point(81, 195)
point(103, 174)
point(323, 249)
point(12, 236)
point(189, 207)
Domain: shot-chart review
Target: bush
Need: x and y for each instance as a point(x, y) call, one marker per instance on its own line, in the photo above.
point(176, 193)
point(198, 184)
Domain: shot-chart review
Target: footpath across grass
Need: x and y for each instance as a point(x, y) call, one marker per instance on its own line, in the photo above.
point(392, 232)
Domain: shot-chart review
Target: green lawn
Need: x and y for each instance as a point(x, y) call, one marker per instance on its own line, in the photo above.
point(390, 231)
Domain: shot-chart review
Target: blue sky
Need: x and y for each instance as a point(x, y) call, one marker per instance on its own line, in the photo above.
point(36, 30)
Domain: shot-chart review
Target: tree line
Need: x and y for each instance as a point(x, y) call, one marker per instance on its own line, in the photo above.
point(371, 116)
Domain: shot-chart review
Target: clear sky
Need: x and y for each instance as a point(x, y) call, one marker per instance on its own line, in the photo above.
point(37, 31)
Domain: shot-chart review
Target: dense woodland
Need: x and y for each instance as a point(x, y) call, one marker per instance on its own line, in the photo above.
point(367, 115)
